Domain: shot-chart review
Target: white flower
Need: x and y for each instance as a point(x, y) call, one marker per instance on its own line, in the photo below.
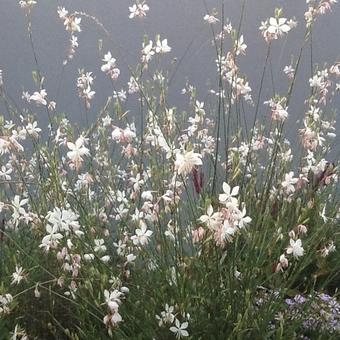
point(229, 194)
point(99, 246)
point(243, 220)
point(18, 275)
point(27, 3)
point(33, 129)
point(162, 46)
point(52, 239)
point(63, 220)
point(62, 12)
point(278, 26)
point(180, 329)
point(288, 183)
point(130, 258)
point(138, 10)
point(39, 97)
point(240, 46)
point(142, 235)
point(147, 52)
point(77, 151)
point(167, 316)
point(5, 173)
point(211, 219)
point(210, 19)
point(295, 248)
point(186, 161)
point(18, 209)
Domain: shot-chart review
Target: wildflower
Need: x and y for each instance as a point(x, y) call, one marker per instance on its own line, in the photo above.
point(210, 19)
point(226, 232)
point(138, 10)
point(18, 209)
point(242, 219)
point(142, 235)
point(89, 257)
point(39, 97)
point(162, 46)
point(121, 95)
point(72, 23)
point(78, 150)
point(130, 258)
point(180, 329)
point(282, 264)
point(133, 85)
point(211, 219)
point(278, 26)
point(99, 246)
point(295, 248)
point(27, 4)
point(33, 129)
point(5, 173)
point(288, 183)
point(289, 71)
point(62, 12)
point(147, 52)
point(84, 82)
point(51, 240)
point(240, 46)
point(167, 316)
point(18, 275)
point(110, 66)
point(186, 161)
point(274, 28)
point(105, 258)
point(229, 194)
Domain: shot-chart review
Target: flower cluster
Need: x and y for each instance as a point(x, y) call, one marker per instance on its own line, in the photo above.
point(229, 219)
point(138, 10)
point(110, 66)
point(84, 82)
point(275, 27)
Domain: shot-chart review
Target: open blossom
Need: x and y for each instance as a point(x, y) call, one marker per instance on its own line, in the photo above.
point(289, 182)
point(18, 275)
point(52, 238)
point(274, 28)
point(295, 248)
point(228, 193)
point(186, 161)
point(147, 52)
point(18, 209)
point(240, 46)
point(167, 316)
point(211, 220)
point(162, 46)
point(33, 129)
point(278, 26)
point(138, 10)
point(39, 97)
point(180, 329)
point(142, 235)
point(77, 151)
